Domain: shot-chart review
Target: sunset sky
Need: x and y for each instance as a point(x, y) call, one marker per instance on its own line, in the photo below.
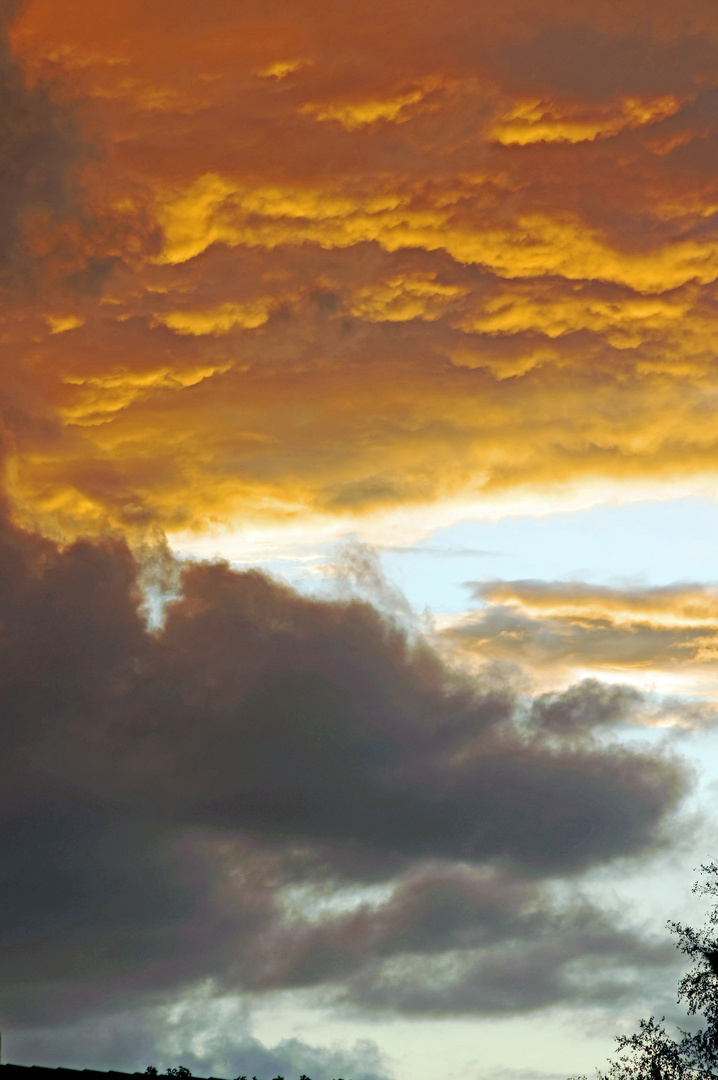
point(358, 532)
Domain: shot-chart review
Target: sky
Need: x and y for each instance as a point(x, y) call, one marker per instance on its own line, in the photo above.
point(358, 530)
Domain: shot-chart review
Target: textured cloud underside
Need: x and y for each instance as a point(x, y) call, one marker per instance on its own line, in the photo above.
point(316, 263)
point(166, 793)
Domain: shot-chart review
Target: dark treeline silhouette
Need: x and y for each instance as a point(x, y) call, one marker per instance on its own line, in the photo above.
point(652, 1053)
point(183, 1071)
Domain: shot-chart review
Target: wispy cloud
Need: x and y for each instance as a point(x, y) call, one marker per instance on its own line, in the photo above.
point(577, 625)
point(442, 552)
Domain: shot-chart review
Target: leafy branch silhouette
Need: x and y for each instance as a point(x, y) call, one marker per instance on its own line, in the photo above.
point(652, 1053)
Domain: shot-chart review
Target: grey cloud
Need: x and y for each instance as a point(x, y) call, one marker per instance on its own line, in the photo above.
point(585, 705)
point(451, 939)
point(356, 567)
point(212, 1036)
point(363, 1061)
point(583, 957)
point(327, 724)
point(161, 788)
point(432, 909)
point(55, 833)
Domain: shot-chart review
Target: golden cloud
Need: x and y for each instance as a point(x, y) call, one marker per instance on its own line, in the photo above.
point(310, 274)
point(576, 626)
point(216, 210)
point(361, 113)
point(539, 121)
point(219, 320)
point(400, 298)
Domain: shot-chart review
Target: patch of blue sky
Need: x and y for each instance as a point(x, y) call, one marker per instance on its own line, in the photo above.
point(640, 543)
point(656, 542)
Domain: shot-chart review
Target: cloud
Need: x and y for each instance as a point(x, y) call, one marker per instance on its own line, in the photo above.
point(287, 270)
point(453, 940)
point(448, 552)
point(166, 791)
point(207, 1032)
point(577, 625)
point(588, 704)
point(307, 278)
point(576, 59)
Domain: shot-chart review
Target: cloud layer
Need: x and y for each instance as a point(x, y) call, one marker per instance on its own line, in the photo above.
point(270, 265)
point(570, 625)
point(323, 270)
point(210, 800)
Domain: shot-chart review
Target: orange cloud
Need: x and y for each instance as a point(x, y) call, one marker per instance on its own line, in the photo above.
point(537, 121)
point(575, 626)
point(218, 320)
point(357, 114)
point(312, 272)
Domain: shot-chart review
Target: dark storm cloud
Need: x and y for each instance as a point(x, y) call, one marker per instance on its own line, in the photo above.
point(161, 789)
point(259, 709)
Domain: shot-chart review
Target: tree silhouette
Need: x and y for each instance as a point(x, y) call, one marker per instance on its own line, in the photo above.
point(652, 1053)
